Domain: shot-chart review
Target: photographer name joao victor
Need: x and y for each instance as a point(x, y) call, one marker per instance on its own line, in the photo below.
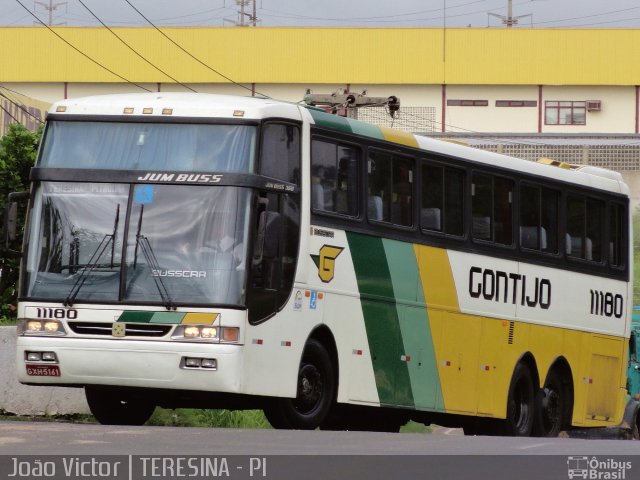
point(72, 467)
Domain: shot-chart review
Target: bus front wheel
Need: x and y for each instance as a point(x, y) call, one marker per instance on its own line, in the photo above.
point(113, 407)
point(520, 403)
point(315, 393)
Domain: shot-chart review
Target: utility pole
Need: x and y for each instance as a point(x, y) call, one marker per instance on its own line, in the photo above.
point(243, 16)
point(509, 20)
point(50, 7)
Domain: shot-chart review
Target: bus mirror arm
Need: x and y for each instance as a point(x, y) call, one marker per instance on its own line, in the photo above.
point(11, 220)
point(267, 237)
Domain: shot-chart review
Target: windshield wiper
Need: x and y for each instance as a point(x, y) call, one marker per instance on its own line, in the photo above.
point(143, 242)
point(115, 233)
point(93, 261)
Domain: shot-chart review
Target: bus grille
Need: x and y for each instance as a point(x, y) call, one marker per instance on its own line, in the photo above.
point(131, 330)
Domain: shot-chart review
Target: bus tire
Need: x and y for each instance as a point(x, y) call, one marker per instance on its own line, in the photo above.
point(113, 407)
point(520, 403)
point(316, 391)
point(550, 407)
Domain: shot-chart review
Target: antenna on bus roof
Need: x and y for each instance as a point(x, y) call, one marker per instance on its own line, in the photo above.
point(346, 104)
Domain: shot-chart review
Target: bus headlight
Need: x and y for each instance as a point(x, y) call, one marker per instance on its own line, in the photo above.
point(27, 326)
point(207, 333)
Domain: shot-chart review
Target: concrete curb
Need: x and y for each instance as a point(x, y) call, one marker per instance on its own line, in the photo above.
point(29, 400)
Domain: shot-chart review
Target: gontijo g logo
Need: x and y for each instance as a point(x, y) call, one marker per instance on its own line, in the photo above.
point(325, 261)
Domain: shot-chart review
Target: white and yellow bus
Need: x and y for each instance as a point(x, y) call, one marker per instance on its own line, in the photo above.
point(210, 251)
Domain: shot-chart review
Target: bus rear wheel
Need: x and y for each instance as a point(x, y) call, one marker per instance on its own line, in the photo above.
point(520, 403)
point(315, 393)
point(551, 403)
point(113, 407)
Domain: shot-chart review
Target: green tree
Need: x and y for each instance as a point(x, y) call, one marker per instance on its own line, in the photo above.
point(18, 149)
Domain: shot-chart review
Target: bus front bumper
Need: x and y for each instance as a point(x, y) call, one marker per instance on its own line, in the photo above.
point(146, 364)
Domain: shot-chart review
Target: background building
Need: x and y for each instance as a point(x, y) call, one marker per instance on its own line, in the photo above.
point(569, 94)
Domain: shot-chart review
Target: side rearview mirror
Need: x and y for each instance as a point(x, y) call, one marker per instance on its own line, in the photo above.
point(11, 219)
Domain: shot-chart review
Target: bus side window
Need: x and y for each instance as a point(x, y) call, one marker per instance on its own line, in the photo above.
point(585, 218)
point(481, 193)
point(616, 236)
point(538, 218)
point(278, 230)
point(442, 199)
point(595, 228)
point(576, 220)
point(280, 156)
point(334, 178)
point(390, 188)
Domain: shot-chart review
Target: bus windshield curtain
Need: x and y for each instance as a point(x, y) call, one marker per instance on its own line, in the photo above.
point(149, 146)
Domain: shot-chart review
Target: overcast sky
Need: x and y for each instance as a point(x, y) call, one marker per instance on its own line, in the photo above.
point(329, 13)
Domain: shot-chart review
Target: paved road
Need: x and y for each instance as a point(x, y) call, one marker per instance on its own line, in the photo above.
point(71, 451)
point(77, 439)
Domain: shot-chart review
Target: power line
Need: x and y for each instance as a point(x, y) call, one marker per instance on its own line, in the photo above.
point(191, 55)
point(173, 20)
point(590, 16)
point(599, 23)
point(377, 20)
point(80, 51)
point(341, 19)
point(133, 49)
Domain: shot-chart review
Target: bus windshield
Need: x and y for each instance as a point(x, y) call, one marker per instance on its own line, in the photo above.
point(143, 146)
point(160, 244)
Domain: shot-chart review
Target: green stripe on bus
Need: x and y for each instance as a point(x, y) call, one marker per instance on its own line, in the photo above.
point(327, 120)
point(414, 325)
point(167, 317)
point(367, 129)
point(136, 317)
point(151, 317)
point(381, 320)
point(348, 125)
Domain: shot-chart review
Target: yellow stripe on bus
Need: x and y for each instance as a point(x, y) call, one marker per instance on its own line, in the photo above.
point(200, 318)
point(397, 136)
point(476, 355)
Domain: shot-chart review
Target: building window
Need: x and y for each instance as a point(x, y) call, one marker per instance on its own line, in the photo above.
point(467, 103)
point(516, 103)
point(565, 113)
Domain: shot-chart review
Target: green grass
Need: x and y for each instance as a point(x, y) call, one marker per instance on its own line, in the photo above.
point(188, 417)
point(413, 427)
point(7, 322)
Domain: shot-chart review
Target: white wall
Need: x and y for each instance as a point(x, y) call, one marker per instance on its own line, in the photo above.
point(617, 114)
point(492, 118)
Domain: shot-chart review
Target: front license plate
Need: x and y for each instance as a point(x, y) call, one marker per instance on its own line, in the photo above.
point(43, 370)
